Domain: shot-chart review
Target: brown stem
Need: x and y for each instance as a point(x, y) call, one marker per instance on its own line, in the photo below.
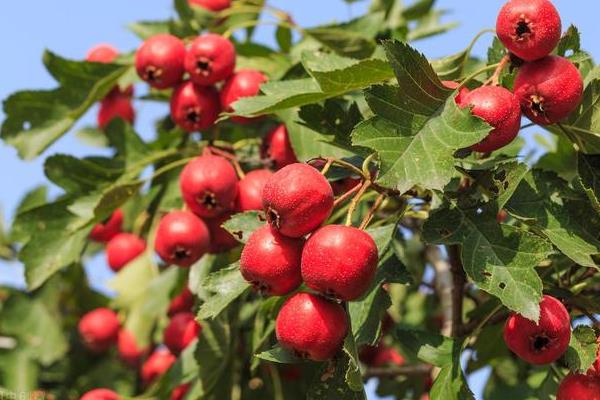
point(458, 285)
point(355, 200)
point(346, 195)
point(495, 78)
point(372, 211)
point(443, 286)
point(404, 370)
point(232, 158)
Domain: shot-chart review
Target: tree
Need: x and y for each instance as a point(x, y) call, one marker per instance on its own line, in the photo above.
point(337, 209)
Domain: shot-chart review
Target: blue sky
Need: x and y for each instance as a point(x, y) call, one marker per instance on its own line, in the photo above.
point(70, 28)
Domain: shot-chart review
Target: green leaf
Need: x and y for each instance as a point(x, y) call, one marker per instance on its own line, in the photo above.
point(284, 38)
point(225, 286)
point(330, 382)
point(353, 374)
point(34, 198)
point(279, 355)
point(20, 373)
point(570, 41)
point(582, 349)
point(588, 170)
point(242, 225)
point(146, 29)
point(343, 42)
point(417, 125)
point(80, 175)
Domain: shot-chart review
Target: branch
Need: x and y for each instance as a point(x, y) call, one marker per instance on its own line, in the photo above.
point(405, 370)
point(443, 286)
point(459, 280)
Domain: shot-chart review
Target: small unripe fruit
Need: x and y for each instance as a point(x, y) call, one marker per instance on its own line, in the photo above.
point(297, 199)
point(499, 108)
point(541, 343)
point(579, 387)
point(180, 332)
point(128, 348)
point(311, 326)
point(210, 58)
point(103, 232)
point(157, 364)
point(209, 186)
point(220, 238)
point(181, 238)
point(211, 5)
point(100, 394)
point(99, 329)
point(549, 89)
point(250, 189)
point(180, 391)
point(271, 262)
point(244, 83)
point(184, 301)
point(122, 249)
point(194, 108)
point(530, 29)
point(277, 148)
point(159, 61)
point(115, 106)
point(339, 261)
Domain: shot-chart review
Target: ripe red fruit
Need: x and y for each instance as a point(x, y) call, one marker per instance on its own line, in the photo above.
point(209, 186)
point(499, 108)
point(339, 261)
point(250, 189)
point(193, 107)
point(541, 343)
point(184, 301)
point(344, 185)
point(220, 239)
point(210, 58)
point(549, 89)
point(122, 249)
point(180, 332)
point(244, 83)
point(106, 230)
point(114, 106)
point(181, 238)
point(579, 387)
point(530, 29)
point(99, 329)
point(129, 351)
point(380, 355)
point(271, 262)
point(277, 148)
point(297, 199)
point(180, 391)
point(159, 61)
point(102, 53)
point(212, 5)
point(157, 364)
point(454, 85)
point(311, 326)
point(100, 394)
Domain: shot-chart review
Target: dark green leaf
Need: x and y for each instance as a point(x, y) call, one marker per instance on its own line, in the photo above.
point(242, 225)
point(279, 355)
point(588, 168)
point(330, 382)
point(225, 286)
point(582, 349)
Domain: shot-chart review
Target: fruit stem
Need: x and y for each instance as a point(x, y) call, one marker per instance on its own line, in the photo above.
point(346, 195)
point(327, 166)
point(404, 370)
point(475, 74)
point(231, 157)
point(355, 200)
point(372, 211)
point(365, 166)
point(495, 78)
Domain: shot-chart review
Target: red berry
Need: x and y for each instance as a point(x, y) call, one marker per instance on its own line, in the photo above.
point(499, 108)
point(530, 29)
point(129, 351)
point(99, 329)
point(251, 188)
point(277, 148)
point(209, 186)
point(195, 108)
point(180, 391)
point(180, 332)
point(102, 53)
point(579, 387)
point(115, 106)
point(502, 216)
point(106, 230)
point(380, 355)
point(344, 185)
point(339, 261)
point(454, 85)
point(181, 238)
point(211, 5)
point(271, 262)
point(122, 249)
point(549, 89)
point(210, 58)
point(297, 199)
point(311, 326)
point(220, 238)
point(100, 394)
point(541, 343)
point(244, 83)
point(184, 301)
point(157, 364)
point(159, 61)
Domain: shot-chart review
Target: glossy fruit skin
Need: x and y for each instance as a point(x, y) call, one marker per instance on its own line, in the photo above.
point(530, 29)
point(499, 108)
point(549, 89)
point(180, 391)
point(184, 301)
point(220, 239)
point(102, 53)
point(311, 326)
point(250, 189)
point(103, 232)
point(129, 351)
point(210, 58)
point(541, 343)
point(181, 238)
point(212, 5)
point(100, 394)
point(209, 186)
point(297, 199)
point(277, 148)
point(157, 364)
point(579, 387)
point(115, 106)
point(194, 108)
point(244, 83)
point(99, 329)
point(180, 332)
point(271, 262)
point(122, 249)
point(339, 261)
point(159, 61)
